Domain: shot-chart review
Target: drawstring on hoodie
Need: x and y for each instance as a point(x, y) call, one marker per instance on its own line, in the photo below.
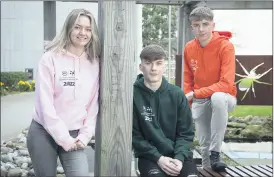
point(159, 107)
point(157, 93)
point(78, 68)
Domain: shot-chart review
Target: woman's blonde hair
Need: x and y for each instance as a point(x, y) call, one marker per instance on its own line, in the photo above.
point(63, 40)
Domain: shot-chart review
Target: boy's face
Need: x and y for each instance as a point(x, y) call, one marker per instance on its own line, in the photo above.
point(202, 29)
point(152, 70)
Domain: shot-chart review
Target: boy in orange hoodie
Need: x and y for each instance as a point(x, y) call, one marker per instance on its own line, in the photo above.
point(209, 73)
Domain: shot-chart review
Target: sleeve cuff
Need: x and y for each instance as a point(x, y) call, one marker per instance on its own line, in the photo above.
point(196, 93)
point(180, 157)
point(156, 157)
point(84, 139)
point(68, 144)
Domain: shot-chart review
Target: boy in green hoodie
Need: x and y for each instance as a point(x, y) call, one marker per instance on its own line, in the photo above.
point(163, 129)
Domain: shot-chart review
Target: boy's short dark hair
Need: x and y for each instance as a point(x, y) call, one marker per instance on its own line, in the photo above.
point(201, 13)
point(153, 52)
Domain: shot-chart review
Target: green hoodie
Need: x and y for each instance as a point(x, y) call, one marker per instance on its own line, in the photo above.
point(162, 122)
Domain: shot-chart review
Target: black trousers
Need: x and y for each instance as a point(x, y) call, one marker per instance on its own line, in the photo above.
point(149, 168)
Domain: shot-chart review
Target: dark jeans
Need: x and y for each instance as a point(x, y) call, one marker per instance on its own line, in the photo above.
point(149, 168)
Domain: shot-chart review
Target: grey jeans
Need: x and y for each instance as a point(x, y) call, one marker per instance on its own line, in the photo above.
point(210, 116)
point(44, 151)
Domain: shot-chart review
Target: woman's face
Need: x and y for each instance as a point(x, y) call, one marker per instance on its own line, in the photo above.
point(81, 32)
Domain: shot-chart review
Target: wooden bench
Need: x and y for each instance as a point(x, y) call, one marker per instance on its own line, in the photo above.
point(231, 171)
point(239, 171)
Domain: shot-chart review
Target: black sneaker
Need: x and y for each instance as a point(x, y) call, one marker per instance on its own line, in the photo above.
point(216, 163)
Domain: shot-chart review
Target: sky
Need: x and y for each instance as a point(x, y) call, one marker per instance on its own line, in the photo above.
point(252, 30)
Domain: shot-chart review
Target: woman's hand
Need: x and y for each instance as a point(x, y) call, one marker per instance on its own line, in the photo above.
point(73, 147)
point(80, 145)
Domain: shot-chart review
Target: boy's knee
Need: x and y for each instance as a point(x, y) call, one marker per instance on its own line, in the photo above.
point(155, 173)
point(218, 99)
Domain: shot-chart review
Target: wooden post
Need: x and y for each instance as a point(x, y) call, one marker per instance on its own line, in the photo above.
point(185, 35)
point(178, 70)
point(113, 150)
point(49, 20)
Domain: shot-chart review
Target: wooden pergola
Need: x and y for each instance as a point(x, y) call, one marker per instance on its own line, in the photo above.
point(113, 149)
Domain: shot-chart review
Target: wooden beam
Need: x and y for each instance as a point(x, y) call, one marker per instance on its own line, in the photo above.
point(49, 20)
point(114, 135)
point(235, 5)
point(215, 5)
point(158, 2)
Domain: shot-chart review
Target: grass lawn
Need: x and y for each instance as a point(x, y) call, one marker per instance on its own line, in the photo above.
point(242, 111)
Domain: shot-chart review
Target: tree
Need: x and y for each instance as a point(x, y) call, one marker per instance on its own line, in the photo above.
point(155, 26)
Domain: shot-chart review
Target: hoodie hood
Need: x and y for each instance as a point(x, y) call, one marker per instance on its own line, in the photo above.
point(218, 37)
point(139, 83)
point(225, 34)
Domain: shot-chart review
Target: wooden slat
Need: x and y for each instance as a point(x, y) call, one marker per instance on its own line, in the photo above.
point(240, 173)
point(224, 174)
point(230, 172)
point(213, 173)
point(203, 172)
point(267, 168)
point(246, 171)
point(264, 171)
point(254, 170)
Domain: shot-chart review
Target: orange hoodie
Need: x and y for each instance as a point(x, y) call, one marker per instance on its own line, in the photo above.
point(210, 69)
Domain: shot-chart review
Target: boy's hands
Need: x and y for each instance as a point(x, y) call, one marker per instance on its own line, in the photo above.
point(178, 163)
point(170, 166)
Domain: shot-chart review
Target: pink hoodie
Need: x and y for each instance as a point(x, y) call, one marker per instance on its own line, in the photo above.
point(67, 96)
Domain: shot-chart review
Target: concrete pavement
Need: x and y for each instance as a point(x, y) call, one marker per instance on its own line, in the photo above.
point(16, 113)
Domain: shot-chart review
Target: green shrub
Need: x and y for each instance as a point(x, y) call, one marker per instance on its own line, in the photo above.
point(11, 79)
point(4, 92)
point(32, 83)
point(3, 89)
point(24, 86)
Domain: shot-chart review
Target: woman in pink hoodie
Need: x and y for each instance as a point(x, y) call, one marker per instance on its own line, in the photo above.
point(66, 105)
